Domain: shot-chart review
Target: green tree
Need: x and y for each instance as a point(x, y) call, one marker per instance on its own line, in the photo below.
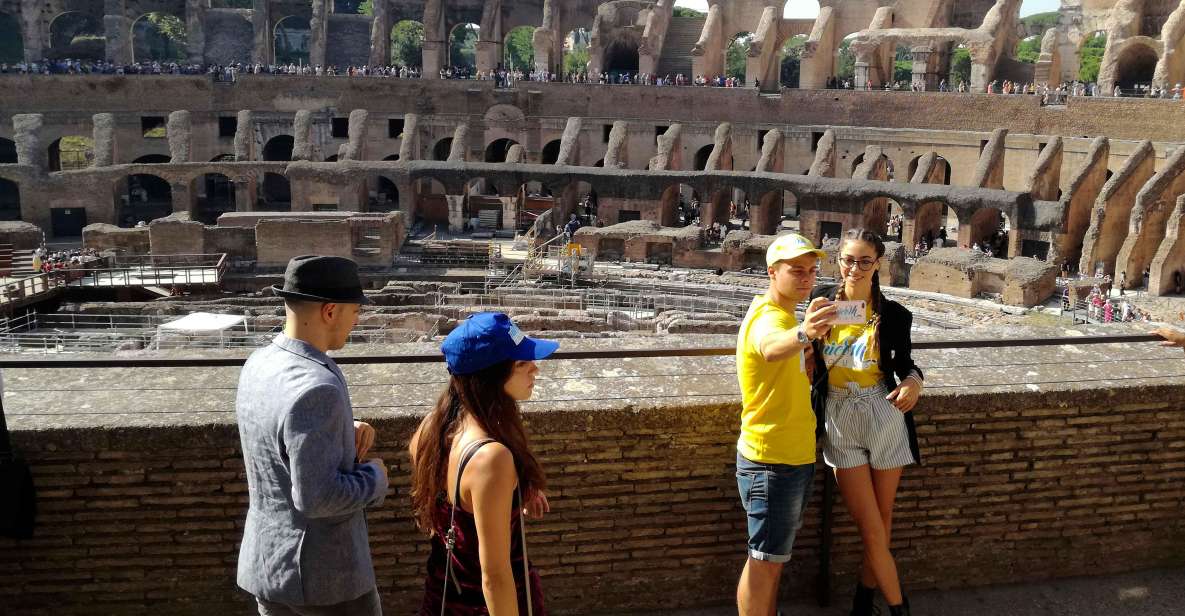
point(1092, 57)
point(737, 56)
point(682, 11)
point(791, 70)
point(960, 67)
point(463, 46)
point(350, 7)
point(159, 36)
point(367, 7)
point(520, 53)
point(1040, 22)
point(845, 63)
point(407, 43)
point(1029, 50)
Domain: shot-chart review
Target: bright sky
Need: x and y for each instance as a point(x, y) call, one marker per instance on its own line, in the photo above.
point(799, 9)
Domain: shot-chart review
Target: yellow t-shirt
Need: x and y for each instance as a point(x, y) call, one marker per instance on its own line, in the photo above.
point(848, 353)
point(777, 423)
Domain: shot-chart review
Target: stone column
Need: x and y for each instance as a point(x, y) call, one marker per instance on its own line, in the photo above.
point(862, 74)
point(245, 137)
point(456, 212)
point(118, 30)
point(319, 27)
point(26, 128)
point(921, 67)
point(195, 30)
point(104, 137)
point(32, 30)
point(183, 199)
point(435, 43)
point(302, 125)
point(380, 34)
point(261, 25)
point(180, 134)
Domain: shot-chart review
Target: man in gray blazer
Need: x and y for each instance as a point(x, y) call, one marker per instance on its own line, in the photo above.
point(305, 549)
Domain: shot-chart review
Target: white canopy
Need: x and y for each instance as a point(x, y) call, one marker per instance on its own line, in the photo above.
point(203, 323)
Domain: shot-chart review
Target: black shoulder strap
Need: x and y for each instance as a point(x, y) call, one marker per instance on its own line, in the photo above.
point(467, 455)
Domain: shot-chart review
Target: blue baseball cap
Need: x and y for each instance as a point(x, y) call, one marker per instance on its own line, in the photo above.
point(489, 338)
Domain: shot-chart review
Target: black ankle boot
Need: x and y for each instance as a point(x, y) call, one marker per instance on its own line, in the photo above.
point(864, 601)
point(900, 610)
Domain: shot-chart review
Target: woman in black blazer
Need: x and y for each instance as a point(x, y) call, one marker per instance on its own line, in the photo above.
point(865, 385)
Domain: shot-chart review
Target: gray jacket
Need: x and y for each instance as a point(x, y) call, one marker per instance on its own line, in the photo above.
point(305, 541)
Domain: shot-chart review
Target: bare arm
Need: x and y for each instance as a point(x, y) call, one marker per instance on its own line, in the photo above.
point(780, 345)
point(492, 479)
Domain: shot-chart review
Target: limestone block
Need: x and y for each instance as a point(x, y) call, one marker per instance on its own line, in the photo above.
point(30, 151)
point(302, 126)
point(409, 145)
point(104, 137)
point(180, 133)
point(460, 145)
point(516, 154)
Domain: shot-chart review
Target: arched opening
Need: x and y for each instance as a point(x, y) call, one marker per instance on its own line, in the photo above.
point(142, 198)
point(939, 173)
point(1136, 65)
point(10, 200)
point(214, 195)
point(441, 150)
point(279, 148)
point(151, 159)
point(407, 44)
point(621, 58)
point(960, 68)
point(902, 69)
point(223, 158)
point(391, 158)
point(291, 41)
point(7, 152)
point(845, 64)
point(791, 213)
point(385, 197)
point(599, 163)
point(576, 54)
point(728, 206)
point(496, 151)
point(12, 48)
point(702, 155)
point(71, 153)
point(680, 206)
point(551, 152)
point(736, 56)
point(518, 52)
point(932, 226)
point(791, 69)
point(462, 49)
point(483, 206)
point(801, 9)
point(880, 214)
point(332, 158)
point(989, 231)
point(77, 35)
point(276, 195)
point(1090, 56)
point(158, 37)
point(1028, 49)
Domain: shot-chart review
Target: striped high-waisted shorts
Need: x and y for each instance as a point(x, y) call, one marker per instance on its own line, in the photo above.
point(864, 428)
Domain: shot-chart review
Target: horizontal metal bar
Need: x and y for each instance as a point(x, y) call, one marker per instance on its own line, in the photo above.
point(422, 358)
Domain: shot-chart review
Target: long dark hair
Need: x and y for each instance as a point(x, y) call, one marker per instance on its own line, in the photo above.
point(866, 235)
point(481, 396)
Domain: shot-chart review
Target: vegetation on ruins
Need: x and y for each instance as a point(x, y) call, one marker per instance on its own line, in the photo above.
point(792, 61)
point(682, 11)
point(576, 55)
point(160, 37)
point(1092, 57)
point(407, 43)
point(737, 55)
point(462, 45)
point(960, 67)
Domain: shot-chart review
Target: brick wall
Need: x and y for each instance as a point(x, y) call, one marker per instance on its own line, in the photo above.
point(645, 515)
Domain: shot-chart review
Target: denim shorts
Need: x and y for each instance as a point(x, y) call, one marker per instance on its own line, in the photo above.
point(775, 497)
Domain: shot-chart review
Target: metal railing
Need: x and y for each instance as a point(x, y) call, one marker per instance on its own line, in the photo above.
point(151, 270)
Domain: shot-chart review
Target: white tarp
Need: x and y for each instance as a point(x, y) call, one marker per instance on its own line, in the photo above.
point(202, 323)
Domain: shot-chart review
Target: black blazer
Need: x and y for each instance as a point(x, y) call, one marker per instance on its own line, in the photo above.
point(896, 360)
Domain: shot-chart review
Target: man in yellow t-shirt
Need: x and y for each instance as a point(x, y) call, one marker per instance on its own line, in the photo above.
point(776, 449)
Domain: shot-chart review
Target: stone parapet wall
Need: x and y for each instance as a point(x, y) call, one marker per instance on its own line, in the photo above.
point(1015, 487)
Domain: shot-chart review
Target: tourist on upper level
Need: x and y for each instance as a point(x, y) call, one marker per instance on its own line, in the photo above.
point(865, 385)
point(776, 449)
point(305, 549)
point(478, 563)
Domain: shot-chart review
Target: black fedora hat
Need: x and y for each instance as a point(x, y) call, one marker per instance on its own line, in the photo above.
point(316, 278)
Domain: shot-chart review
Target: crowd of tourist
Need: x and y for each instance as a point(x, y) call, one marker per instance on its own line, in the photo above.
point(46, 261)
point(1103, 309)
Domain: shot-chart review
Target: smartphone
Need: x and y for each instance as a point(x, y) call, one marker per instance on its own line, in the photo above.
point(849, 313)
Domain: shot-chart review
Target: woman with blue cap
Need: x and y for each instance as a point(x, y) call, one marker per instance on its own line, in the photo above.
point(478, 563)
